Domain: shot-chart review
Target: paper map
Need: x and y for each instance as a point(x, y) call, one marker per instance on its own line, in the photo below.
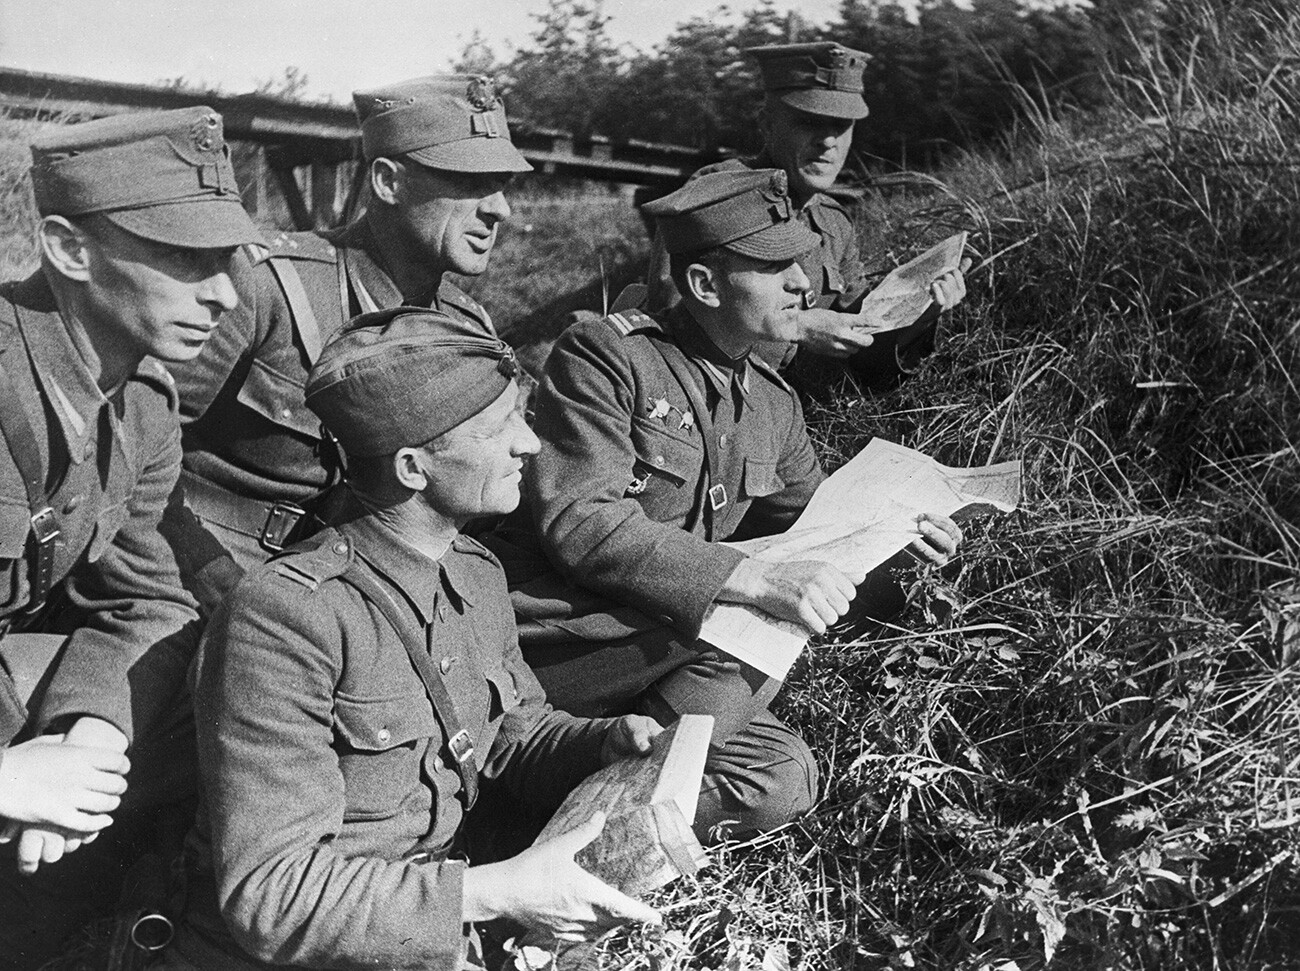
point(649, 805)
point(904, 294)
point(859, 517)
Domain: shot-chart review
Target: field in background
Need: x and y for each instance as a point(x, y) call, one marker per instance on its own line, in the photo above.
point(1078, 747)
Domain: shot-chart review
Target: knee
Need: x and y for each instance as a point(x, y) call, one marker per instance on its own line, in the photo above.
point(758, 795)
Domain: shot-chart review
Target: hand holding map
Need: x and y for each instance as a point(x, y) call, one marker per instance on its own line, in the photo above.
point(904, 295)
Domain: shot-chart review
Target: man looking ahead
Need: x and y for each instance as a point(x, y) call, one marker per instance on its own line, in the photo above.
point(439, 157)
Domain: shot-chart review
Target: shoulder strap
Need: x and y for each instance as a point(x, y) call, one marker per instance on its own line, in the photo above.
point(304, 318)
point(21, 440)
point(459, 742)
point(715, 496)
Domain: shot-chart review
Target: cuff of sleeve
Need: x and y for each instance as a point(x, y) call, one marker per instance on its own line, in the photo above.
point(442, 910)
point(703, 582)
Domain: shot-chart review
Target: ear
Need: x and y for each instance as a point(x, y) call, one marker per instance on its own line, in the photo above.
point(386, 180)
point(65, 247)
point(702, 284)
point(408, 469)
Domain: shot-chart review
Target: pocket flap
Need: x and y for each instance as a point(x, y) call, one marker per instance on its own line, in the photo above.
point(15, 523)
point(663, 453)
point(278, 398)
point(760, 478)
point(373, 725)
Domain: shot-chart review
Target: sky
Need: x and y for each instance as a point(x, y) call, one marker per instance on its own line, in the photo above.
point(341, 45)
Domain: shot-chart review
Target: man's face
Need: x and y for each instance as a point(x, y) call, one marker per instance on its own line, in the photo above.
point(759, 301)
point(811, 148)
point(160, 300)
point(476, 468)
point(452, 217)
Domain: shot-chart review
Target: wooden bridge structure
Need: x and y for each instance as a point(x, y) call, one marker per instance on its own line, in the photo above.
point(300, 158)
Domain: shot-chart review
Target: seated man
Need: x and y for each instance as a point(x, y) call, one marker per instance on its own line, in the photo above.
point(660, 438)
point(353, 690)
point(813, 99)
point(140, 218)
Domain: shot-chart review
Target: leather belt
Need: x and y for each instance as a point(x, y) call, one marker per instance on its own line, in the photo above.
point(270, 523)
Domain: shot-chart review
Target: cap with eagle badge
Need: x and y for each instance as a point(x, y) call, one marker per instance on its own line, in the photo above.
point(400, 378)
point(821, 78)
point(162, 175)
point(455, 122)
point(748, 211)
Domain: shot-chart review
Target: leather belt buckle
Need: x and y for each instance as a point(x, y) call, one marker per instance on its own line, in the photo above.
point(281, 520)
point(462, 747)
point(717, 497)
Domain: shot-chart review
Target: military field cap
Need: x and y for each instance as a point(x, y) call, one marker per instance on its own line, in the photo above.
point(823, 78)
point(747, 211)
point(446, 121)
point(400, 378)
point(163, 175)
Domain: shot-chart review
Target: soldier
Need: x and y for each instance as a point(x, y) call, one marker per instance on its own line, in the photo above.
point(813, 99)
point(353, 692)
point(439, 159)
point(662, 436)
point(140, 218)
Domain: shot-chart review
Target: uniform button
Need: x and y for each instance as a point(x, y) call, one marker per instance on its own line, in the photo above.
point(287, 413)
point(385, 735)
point(445, 664)
point(340, 547)
point(659, 460)
point(89, 451)
point(722, 440)
point(72, 504)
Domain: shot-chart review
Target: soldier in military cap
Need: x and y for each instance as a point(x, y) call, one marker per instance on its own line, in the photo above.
point(439, 159)
point(354, 693)
point(813, 99)
point(662, 436)
point(140, 219)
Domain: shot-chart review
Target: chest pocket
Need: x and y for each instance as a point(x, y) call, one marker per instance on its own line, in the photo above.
point(832, 280)
point(107, 525)
point(380, 743)
point(760, 479)
point(15, 522)
point(279, 399)
point(666, 469)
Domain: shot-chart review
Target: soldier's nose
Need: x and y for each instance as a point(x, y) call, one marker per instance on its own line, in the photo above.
point(218, 290)
point(496, 206)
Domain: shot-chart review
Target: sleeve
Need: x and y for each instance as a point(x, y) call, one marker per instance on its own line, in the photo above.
point(539, 754)
point(275, 794)
point(591, 531)
point(126, 663)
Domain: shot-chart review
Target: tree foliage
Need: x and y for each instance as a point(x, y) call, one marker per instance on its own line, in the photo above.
point(943, 73)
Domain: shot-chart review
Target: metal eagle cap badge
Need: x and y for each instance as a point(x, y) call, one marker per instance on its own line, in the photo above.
point(481, 93)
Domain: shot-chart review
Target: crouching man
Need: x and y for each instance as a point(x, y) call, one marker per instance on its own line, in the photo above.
point(660, 437)
point(140, 218)
point(354, 690)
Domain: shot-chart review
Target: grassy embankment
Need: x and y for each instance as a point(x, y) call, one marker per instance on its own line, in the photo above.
point(1078, 747)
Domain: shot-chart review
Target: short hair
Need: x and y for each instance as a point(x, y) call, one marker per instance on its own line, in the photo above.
point(368, 473)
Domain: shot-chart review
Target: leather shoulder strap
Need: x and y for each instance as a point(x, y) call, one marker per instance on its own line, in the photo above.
point(459, 742)
point(304, 318)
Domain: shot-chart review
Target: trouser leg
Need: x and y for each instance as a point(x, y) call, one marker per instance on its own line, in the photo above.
point(758, 774)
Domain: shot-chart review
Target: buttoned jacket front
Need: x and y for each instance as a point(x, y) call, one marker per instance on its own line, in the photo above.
point(324, 765)
point(109, 464)
point(247, 429)
point(619, 487)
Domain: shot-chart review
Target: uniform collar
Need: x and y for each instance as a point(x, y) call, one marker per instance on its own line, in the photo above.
point(71, 389)
point(426, 583)
point(722, 372)
point(374, 287)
